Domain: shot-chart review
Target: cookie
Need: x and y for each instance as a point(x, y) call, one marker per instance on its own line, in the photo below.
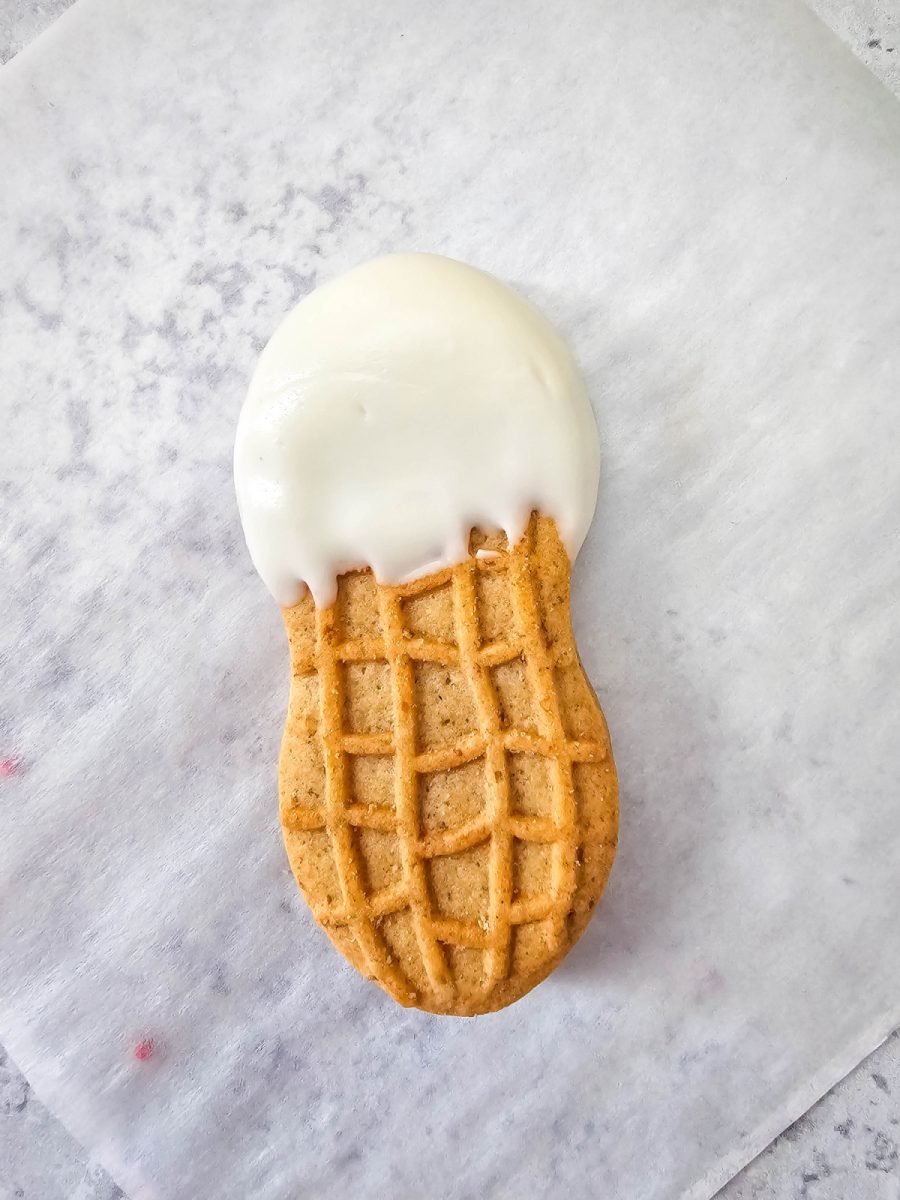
point(448, 795)
point(447, 791)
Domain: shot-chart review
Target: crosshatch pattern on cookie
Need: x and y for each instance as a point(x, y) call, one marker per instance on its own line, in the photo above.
point(447, 727)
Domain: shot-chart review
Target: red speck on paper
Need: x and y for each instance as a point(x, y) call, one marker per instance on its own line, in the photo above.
point(8, 766)
point(144, 1050)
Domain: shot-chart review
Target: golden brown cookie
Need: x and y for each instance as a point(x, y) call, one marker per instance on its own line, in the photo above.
point(448, 792)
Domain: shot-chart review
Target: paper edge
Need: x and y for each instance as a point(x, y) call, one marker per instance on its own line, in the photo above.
point(40, 38)
point(126, 1176)
point(848, 45)
point(799, 1102)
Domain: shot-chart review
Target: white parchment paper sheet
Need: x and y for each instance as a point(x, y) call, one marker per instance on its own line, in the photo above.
point(706, 199)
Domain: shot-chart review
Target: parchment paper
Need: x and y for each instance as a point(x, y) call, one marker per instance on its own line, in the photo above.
point(706, 199)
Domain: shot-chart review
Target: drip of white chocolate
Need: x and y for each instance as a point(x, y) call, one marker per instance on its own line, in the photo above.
point(396, 408)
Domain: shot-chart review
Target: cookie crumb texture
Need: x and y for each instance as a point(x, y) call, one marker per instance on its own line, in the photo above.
point(448, 792)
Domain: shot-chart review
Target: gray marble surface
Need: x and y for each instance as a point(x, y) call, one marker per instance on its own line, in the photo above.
point(845, 1148)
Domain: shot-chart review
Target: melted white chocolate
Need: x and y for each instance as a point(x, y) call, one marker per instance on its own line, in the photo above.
point(396, 408)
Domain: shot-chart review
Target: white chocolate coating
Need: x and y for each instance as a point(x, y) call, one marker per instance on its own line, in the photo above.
point(396, 408)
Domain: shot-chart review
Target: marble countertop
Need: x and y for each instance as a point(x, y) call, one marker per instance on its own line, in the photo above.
point(846, 1148)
